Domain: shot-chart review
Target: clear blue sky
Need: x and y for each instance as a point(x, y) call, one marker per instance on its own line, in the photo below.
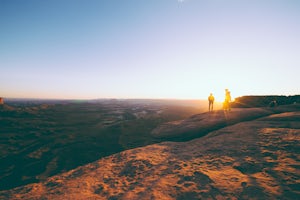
point(149, 48)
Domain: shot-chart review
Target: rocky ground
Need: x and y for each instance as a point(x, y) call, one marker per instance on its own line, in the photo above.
point(256, 158)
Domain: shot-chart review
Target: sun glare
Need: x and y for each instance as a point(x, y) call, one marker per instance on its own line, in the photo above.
point(220, 96)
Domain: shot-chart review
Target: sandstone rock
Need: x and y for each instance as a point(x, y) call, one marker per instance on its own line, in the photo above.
point(257, 159)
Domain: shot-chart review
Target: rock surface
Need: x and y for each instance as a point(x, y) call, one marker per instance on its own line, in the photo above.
point(257, 159)
point(201, 124)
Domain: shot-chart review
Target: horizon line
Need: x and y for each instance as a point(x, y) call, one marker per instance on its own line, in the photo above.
point(123, 98)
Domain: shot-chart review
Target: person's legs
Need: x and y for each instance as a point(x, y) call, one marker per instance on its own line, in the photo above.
point(225, 105)
point(209, 106)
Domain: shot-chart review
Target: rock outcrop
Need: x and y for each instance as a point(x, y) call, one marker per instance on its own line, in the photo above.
point(201, 124)
point(263, 101)
point(256, 159)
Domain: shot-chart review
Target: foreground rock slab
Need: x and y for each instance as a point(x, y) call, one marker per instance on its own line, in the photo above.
point(257, 159)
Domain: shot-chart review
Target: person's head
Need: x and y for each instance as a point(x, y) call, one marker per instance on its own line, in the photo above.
point(211, 94)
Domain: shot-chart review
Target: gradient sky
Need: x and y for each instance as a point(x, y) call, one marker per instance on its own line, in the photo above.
point(149, 48)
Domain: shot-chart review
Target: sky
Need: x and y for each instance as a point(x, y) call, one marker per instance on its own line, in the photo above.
point(185, 49)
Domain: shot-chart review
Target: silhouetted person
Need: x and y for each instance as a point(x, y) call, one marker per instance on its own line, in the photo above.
point(211, 100)
point(273, 104)
point(226, 104)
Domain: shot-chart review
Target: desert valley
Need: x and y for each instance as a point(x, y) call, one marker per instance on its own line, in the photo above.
point(148, 150)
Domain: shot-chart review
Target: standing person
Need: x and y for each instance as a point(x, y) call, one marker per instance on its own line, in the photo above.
point(226, 104)
point(211, 100)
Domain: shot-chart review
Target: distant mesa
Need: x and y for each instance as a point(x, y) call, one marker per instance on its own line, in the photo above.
point(264, 101)
point(1, 101)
